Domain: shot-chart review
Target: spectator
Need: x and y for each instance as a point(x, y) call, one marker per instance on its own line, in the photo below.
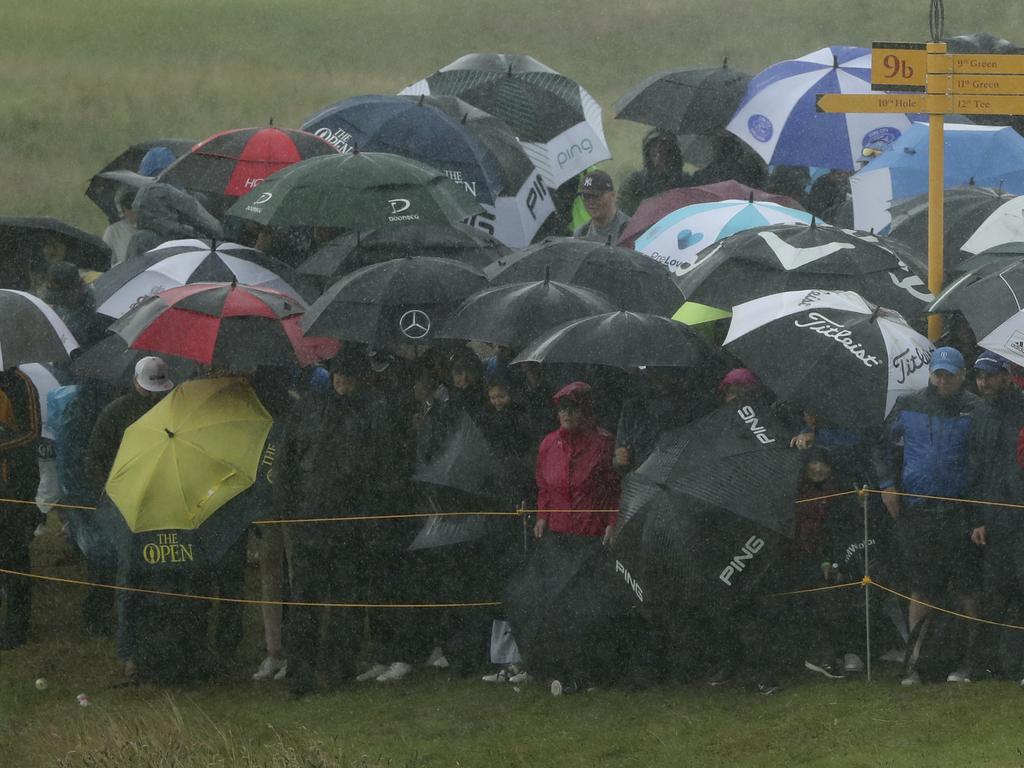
point(662, 170)
point(70, 298)
point(120, 233)
point(606, 220)
point(733, 160)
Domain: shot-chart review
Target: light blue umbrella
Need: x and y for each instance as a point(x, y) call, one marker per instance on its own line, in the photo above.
point(779, 117)
point(677, 238)
point(979, 155)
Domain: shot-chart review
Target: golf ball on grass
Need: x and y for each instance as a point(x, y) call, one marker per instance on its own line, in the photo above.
point(41, 684)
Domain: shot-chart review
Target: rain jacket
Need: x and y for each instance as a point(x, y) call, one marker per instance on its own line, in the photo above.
point(650, 181)
point(108, 432)
point(574, 472)
point(20, 425)
point(924, 445)
point(995, 475)
point(166, 213)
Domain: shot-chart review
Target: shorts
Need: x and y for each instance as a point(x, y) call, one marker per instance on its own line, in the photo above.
point(937, 552)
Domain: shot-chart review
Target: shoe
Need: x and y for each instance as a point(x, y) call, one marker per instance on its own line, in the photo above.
point(893, 656)
point(569, 687)
point(520, 677)
point(962, 675)
point(853, 664)
point(501, 676)
point(269, 667)
point(372, 673)
point(824, 668)
point(395, 672)
point(914, 678)
point(40, 530)
point(282, 673)
point(766, 686)
point(437, 659)
point(721, 676)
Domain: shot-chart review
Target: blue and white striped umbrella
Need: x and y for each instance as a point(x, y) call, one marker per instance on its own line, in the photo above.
point(677, 238)
point(778, 117)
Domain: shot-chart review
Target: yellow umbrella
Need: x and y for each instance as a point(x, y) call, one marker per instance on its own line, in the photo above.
point(190, 454)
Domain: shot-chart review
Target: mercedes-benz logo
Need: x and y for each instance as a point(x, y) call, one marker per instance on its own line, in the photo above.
point(414, 324)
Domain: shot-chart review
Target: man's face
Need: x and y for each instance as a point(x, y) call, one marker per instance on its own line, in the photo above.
point(660, 152)
point(344, 385)
point(499, 397)
point(990, 384)
point(601, 207)
point(946, 384)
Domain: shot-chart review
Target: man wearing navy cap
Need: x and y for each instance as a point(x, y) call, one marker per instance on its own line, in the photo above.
point(995, 477)
point(924, 453)
point(606, 220)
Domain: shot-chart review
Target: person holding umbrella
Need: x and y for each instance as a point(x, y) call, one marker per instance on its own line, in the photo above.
point(606, 220)
point(662, 170)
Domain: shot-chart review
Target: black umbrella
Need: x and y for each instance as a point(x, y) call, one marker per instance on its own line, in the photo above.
point(834, 353)
point(629, 279)
point(986, 296)
point(104, 185)
point(621, 340)
point(788, 257)
point(964, 209)
point(515, 314)
point(402, 301)
point(31, 332)
point(24, 238)
point(685, 101)
point(354, 250)
point(1003, 254)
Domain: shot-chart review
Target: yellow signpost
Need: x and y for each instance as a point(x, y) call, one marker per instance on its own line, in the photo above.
point(925, 78)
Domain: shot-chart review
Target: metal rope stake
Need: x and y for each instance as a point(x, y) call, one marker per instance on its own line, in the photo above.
point(867, 585)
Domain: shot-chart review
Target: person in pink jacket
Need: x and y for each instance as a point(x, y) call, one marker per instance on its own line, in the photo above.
point(577, 487)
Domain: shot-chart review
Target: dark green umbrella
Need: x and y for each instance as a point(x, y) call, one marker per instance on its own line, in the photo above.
point(357, 191)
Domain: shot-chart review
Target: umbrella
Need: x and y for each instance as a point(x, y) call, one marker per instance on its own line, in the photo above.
point(1003, 226)
point(851, 359)
point(113, 361)
point(963, 208)
point(676, 239)
point(190, 454)
point(622, 340)
point(1007, 339)
point(31, 332)
point(181, 262)
point(349, 252)
point(654, 209)
point(513, 315)
point(779, 117)
point(229, 164)
point(27, 241)
point(986, 297)
point(695, 101)
point(402, 301)
point(222, 324)
point(975, 155)
point(787, 257)
point(103, 185)
point(629, 279)
point(358, 191)
point(1001, 254)
point(557, 121)
point(45, 378)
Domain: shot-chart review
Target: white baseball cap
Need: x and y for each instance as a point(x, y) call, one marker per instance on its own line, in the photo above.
point(151, 375)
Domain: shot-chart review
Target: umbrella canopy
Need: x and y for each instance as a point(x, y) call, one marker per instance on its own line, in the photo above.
point(851, 359)
point(557, 121)
point(513, 315)
point(31, 332)
point(986, 297)
point(629, 279)
point(45, 378)
point(103, 185)
point(676, 240)
point(787, 257)
point(349, 252)
point(358, 191)
point(223, 324)
point(113, 361)
point(779, 117)
point(28, 242)
point(621, 340)
point(229, 164)
point(190, 454)
point(402, 301)
point(1001, 254)
point(975, 155)
point(1007, 339)
point(180, 262)
point(689, 101)
point(1003, 226)
point(963, 208)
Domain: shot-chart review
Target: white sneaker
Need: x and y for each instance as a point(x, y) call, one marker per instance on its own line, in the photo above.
point(959, 676)
point(282, 673)
point(914, 678)
point(396, 671)
point(893, 656)
point(40, 530)
point(520, 677)
point(372, 673)
point(437, 659)
point(269, 668)
point(501, 676)
point(853, 664)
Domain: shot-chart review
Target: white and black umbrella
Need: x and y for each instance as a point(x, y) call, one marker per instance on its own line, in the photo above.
point(1007, 339)
point(31, 332)
point(986, 297)
point(788, 257)
point(182, 262)
point(831, 352)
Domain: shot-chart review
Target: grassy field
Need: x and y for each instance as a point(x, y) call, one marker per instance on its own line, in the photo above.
point(81, 80)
